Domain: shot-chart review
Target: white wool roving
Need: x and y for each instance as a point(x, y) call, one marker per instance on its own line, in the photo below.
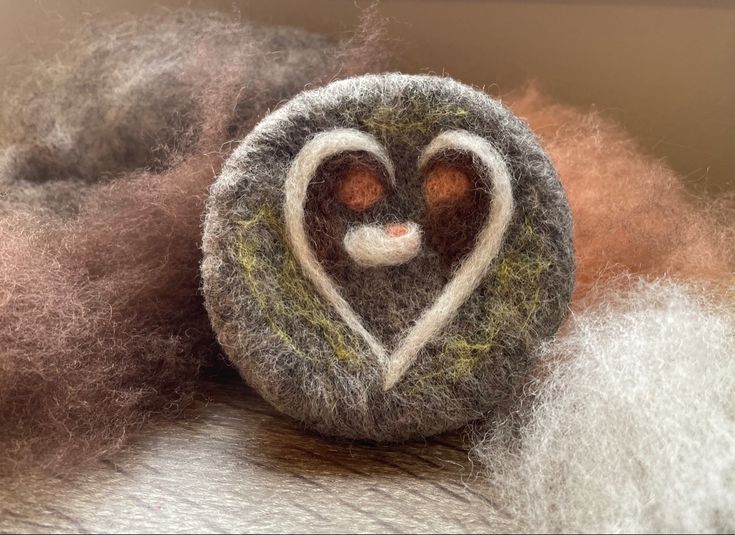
point(377, 246)
point(475, 265)
point(631, 424)
point(321, 147)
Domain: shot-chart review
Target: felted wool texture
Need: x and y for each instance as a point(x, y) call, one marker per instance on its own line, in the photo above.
point(400, 244)
point(629, 426)
point(110, 152)
point(631, 212)
point(476, 264)
point(292, 347)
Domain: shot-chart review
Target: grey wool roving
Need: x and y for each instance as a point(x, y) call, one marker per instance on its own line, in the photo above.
point(383, 254)
point(142, 93)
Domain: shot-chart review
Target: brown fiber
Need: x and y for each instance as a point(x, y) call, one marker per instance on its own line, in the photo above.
point(102, 325)
point(631, 212)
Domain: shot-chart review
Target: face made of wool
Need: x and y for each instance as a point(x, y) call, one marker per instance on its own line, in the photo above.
point(344, 179)
point(382, 256)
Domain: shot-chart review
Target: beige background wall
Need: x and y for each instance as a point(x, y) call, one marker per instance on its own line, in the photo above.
point(665, 69)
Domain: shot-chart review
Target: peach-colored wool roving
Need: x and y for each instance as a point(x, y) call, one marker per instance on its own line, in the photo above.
point(631, 212)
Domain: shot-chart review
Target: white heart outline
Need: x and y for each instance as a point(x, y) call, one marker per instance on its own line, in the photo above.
point(303, 168)
point(467, 276)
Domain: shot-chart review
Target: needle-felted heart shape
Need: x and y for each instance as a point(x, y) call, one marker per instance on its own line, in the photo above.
point(383, 255)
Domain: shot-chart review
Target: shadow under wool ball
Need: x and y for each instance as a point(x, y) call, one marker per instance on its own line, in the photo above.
point(382, 256)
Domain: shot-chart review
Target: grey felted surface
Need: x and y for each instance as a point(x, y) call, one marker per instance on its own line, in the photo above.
point(287, 341)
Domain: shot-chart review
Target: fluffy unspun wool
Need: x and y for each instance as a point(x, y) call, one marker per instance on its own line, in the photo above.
point(631, 212)
point(108, 154)
point(629, 426)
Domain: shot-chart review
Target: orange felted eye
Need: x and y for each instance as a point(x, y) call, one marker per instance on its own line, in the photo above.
point(361, 188)
point(445, 185)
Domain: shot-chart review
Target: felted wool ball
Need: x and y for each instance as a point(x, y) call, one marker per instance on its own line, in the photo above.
point(383, 254)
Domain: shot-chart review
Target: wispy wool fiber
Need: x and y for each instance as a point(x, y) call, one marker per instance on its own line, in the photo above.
point(631, 212)
point(629, 426)
point(109, 153)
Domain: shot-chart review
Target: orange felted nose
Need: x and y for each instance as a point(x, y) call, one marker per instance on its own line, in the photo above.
point(396, 229)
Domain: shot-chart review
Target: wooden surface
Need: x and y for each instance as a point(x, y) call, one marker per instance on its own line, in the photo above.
point(233, 464)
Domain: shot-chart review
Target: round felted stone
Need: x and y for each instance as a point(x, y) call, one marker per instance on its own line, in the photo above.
point(296, 347)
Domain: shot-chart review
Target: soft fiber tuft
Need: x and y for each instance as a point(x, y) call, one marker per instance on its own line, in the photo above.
point(109, 153)
point(631, 212)
point(629, 426)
